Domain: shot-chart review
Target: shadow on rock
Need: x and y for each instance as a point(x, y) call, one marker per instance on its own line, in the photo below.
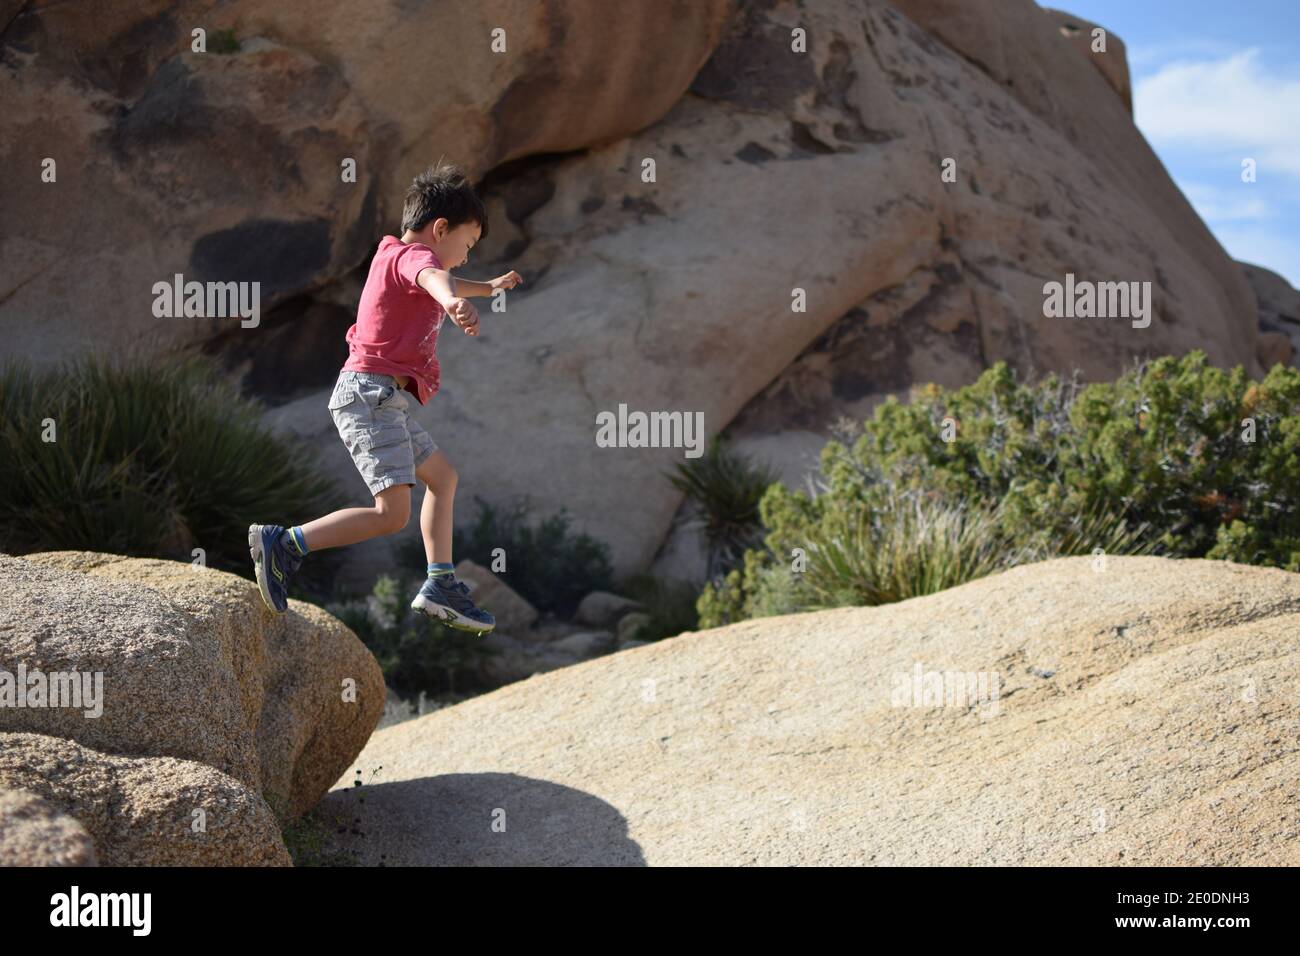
point(482, 819)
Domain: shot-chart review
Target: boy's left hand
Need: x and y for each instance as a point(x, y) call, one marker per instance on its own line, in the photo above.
point(462, 313)
point(507, 281)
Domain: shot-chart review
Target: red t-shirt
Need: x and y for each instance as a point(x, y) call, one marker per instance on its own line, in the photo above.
point(397, 325)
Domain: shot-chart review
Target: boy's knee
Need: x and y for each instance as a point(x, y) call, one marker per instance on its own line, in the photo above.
point(394, 509)
point(444, 482)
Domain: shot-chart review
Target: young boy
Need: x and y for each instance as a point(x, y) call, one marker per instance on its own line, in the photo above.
point(391, 352)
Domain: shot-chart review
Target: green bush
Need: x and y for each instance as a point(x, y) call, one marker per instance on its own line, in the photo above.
point(148, 460)
point(414, 651)
point(547, 565)
point(1155, 462)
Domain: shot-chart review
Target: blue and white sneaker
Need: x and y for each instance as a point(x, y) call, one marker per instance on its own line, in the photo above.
point(274, 564)
point(445, 598)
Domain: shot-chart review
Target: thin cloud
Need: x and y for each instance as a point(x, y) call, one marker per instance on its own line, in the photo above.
point(1181, 49)
point(1233, 104)
point(1216, 204)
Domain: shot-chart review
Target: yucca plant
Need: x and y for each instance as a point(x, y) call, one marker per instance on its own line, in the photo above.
point(913, 546)
point(149, 460)
point(725, 488)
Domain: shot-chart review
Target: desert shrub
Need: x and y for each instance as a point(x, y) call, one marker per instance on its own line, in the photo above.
point(1176, 457)
point(149, 460)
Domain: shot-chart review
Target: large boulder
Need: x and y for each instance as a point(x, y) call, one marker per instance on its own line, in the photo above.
point(1053, 178)
point(908, 278)
point(137, 811)
point(780, 177)
point(1131, 711)
point(193, 666)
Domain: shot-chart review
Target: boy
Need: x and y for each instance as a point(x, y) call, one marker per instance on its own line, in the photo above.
point(391, 352)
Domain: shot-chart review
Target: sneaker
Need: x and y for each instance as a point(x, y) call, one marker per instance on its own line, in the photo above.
point(445, 598)
point(274, 564)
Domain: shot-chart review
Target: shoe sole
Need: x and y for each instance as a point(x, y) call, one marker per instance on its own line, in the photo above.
point(257, 554)
point(448, 616)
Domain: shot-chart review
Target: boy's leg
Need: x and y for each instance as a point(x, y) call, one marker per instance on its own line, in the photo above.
point(370, 413)
point(276, 558)
point(442, 596)
point(439, 478)
point(390, 514)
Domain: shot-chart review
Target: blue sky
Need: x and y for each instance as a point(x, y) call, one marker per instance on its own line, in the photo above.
point(1215, 82)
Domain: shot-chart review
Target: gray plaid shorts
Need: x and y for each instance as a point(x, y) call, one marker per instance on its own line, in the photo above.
point(371, 414)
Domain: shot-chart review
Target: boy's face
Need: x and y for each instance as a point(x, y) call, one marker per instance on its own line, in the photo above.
point(454, 246)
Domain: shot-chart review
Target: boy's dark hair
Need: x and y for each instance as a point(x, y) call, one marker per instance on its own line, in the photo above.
point(442, 192)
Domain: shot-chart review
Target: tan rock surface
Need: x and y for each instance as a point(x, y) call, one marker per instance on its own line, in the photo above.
point(194, 667)
point(33, 832)
point(1145, 715)
point(153, 811)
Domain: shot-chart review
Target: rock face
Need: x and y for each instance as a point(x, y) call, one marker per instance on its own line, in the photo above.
point(1051, 172)
point(1138, 715)
point(187, 663)
point(1112, 60)
point(33, 832)
point(152, 811)
point(907, 278)
point(779, 179)
point(143, 144)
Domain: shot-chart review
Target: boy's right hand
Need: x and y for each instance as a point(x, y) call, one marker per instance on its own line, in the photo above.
point(463, 313)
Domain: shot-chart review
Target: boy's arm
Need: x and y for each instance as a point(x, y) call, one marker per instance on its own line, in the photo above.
point(439, 283)
point(442, 285)
point(467, 287)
